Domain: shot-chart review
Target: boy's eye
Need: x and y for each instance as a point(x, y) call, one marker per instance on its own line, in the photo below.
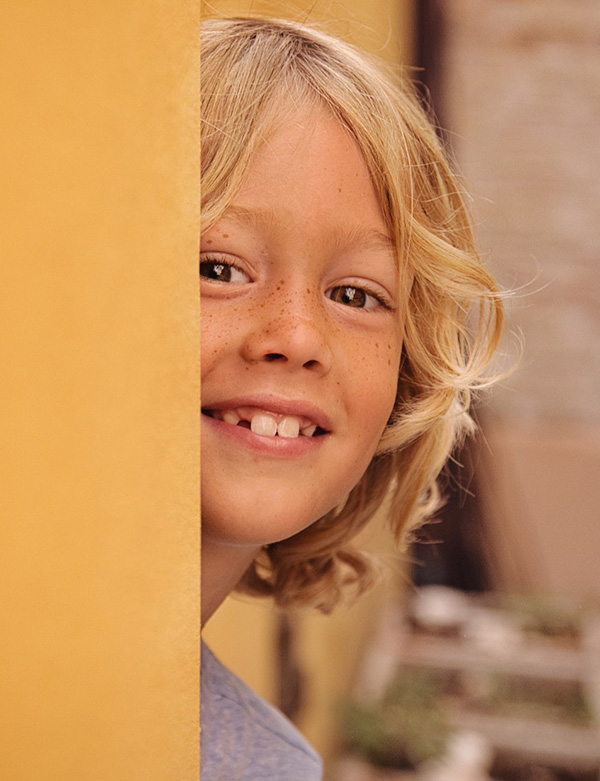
point(356, 297)
point(220, 271)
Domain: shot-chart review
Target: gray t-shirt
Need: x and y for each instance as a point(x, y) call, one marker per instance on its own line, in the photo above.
point(243, 737)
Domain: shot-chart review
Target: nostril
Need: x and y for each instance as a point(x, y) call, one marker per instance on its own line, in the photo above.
point(275, 357)
point(310, 364)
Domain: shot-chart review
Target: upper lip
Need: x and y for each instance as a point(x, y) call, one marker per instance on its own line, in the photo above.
point(278, 405)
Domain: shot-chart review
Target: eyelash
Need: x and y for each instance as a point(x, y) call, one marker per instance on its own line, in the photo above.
point(218, 260)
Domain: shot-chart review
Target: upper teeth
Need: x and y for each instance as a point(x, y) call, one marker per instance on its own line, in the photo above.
point(268, 425)
point(288, 427)
point(264, 424)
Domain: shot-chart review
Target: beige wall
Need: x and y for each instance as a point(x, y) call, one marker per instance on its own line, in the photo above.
point(521, 96)
point(541, 496)
point(99, 403)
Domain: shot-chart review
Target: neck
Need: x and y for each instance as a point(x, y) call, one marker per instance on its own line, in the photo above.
point(223, 566)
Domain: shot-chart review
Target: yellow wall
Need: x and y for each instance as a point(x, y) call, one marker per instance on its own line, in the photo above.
point(99, 402)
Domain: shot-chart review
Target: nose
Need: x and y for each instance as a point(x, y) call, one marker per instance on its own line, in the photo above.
point(289, 329)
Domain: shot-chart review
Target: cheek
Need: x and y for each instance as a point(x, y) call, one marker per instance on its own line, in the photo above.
point(379, 367)
point(382, 388)
point(210, 343)
point(218, 333)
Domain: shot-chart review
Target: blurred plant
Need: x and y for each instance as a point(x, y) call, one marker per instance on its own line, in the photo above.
point(544, 615)
point(401, 730)
point(559, 701)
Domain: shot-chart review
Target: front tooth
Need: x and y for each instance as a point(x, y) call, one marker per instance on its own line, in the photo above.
point(289, 427)
point(231, 416)
point(264, 424)
point(309, 431)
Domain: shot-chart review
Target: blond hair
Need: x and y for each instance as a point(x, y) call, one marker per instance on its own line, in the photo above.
point(251, 70)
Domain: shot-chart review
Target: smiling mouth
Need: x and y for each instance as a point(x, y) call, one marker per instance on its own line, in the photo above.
point(267, 424)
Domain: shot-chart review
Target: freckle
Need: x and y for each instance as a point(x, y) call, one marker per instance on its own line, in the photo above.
point(209, 241)
point(339, 189)
point(225, 235)
point(377, 345)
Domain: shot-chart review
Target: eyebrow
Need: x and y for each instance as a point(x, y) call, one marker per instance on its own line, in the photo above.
point(367, 238)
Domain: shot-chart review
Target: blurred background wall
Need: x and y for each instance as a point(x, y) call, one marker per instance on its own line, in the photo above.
point(519, 87)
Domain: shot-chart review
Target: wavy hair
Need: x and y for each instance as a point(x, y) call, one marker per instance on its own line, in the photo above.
point(251, 69)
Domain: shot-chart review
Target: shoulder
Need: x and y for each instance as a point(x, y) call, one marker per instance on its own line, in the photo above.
point(245, 738)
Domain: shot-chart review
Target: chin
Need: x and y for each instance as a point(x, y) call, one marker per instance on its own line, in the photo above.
point(259, 520)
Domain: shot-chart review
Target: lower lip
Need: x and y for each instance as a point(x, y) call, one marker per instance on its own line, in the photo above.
point(281, 447)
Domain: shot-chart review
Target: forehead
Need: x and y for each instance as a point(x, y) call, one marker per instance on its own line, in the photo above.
point(275, 221)
point(310, 158)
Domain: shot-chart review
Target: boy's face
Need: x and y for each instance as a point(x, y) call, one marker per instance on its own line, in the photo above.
point(301, 335)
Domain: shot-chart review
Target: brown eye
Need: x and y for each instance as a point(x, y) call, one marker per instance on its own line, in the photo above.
point(351, 296)
point(218, 271)
point(356, 297)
